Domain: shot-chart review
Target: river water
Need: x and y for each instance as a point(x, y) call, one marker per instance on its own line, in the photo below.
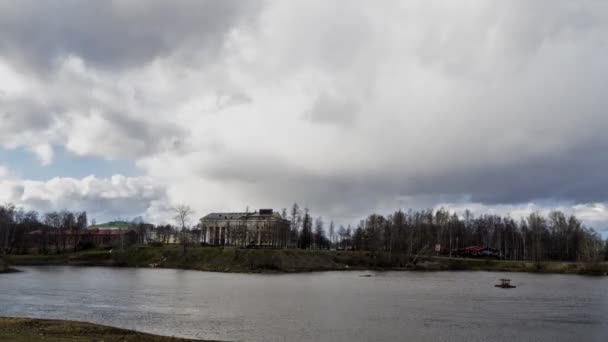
point(326, 306)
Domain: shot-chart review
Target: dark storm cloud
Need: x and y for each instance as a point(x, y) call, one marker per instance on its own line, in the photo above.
point(116, 34)
point(575, 176)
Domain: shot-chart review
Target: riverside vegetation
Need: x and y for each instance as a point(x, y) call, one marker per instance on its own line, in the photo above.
point(291, 260)
point(401, 240)
point(4, 268)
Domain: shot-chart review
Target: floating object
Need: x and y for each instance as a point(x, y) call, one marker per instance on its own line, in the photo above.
point(505, 284)
point(365, 275)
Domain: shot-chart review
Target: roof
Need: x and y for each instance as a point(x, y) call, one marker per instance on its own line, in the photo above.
point(225, 216)
point(273, 214)
point(112, 225)
point(241, 215)
point(475, 249)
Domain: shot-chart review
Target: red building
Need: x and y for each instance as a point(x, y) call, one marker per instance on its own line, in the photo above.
point(477, 252)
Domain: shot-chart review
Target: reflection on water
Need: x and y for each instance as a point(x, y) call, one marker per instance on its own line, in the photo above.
point(331, 306)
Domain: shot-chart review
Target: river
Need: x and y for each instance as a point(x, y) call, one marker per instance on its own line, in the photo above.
point(325, 306)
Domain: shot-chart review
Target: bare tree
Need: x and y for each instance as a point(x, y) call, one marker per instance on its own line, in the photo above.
point(7, 221)
point(319, 233)
point(332, 234)
point(182, 218)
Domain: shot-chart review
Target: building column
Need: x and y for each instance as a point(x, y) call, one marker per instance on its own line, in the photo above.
point(259, 236)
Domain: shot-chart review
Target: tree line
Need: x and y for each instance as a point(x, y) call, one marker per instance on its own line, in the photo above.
point(54, 227)
point(411, 233)
point(556, 236)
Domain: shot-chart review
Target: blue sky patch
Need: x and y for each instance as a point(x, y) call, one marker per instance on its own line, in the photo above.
point(25, 165)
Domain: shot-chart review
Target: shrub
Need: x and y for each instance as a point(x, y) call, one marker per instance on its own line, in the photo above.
point(458, 265)
point(595, 269)
point(156, 244)
point(84, 245)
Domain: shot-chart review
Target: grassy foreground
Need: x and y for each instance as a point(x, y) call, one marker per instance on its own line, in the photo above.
point(30, 330)
point(288, 260)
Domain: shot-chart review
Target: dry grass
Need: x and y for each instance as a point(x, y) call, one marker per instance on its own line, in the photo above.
point(30, 330)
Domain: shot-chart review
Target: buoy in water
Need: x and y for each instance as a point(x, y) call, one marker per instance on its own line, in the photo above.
point(505, 284)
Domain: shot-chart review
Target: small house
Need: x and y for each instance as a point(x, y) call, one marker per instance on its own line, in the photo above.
point(477, 252)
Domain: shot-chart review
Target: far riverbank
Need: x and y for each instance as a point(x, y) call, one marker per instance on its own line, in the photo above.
point(289, 261)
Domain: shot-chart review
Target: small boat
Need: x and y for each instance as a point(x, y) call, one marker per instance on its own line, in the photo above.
point(505, 284)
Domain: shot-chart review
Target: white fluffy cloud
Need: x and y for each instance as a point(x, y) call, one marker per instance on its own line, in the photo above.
point(103, 198)
point(344, 107)
point(44, 153)
point(3, 172)
point(592, 214)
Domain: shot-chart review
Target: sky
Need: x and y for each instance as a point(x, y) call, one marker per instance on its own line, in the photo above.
point(129, 108)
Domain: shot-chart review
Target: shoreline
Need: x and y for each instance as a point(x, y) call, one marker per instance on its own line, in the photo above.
point(5, 268)
point(21, 329)
point(280, 261)
point(9, 270)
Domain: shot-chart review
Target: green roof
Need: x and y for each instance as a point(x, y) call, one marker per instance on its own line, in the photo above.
point(113, 225)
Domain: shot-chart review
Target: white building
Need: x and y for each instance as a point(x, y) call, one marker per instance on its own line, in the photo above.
point(263, 228)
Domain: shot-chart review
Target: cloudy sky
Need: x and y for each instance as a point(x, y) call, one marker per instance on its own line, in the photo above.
point(126, 108)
